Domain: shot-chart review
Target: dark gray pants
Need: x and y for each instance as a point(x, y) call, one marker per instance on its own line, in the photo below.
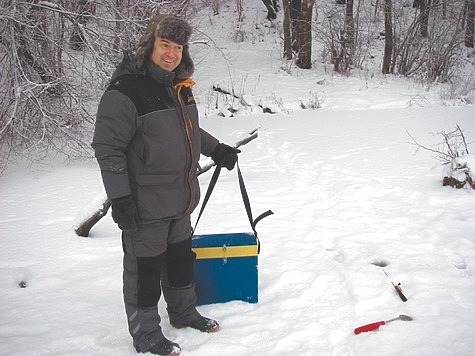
point(158, 258)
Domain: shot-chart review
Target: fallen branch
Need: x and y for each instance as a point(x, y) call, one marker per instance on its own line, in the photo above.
point(91, 214)
point(244, 141)
point(242, 101)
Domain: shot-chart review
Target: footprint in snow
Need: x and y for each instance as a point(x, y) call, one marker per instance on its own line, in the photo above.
point(457, 261)
point(338, 257)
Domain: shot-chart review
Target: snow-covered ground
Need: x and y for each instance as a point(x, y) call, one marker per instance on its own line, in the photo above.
point(347, 189)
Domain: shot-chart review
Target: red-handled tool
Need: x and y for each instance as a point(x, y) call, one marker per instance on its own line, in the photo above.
point(376, 325)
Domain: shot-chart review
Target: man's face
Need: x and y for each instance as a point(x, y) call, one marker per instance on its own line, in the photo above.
point(166, 54)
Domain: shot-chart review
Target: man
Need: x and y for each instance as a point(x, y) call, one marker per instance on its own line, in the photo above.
point(147, 141)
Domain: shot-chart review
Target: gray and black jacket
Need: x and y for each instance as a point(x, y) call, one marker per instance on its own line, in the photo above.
point(148, 142)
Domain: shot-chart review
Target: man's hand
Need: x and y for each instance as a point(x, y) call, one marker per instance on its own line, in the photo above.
point(124, 213)
point(225, 156)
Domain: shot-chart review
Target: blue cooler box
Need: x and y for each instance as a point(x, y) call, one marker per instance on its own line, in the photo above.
point(225, 267)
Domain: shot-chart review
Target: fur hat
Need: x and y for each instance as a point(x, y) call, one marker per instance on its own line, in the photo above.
point(174, 29)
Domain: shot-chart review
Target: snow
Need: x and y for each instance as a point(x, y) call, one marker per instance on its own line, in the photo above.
point(348, 191)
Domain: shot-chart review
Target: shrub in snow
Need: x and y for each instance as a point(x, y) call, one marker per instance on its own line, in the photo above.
point(459, 164)
point(460, 172)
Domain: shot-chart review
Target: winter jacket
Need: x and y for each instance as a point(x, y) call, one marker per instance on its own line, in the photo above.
point(148, 142)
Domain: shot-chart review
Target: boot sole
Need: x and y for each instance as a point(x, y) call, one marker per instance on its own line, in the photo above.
point(181, 326)
point(174, 353)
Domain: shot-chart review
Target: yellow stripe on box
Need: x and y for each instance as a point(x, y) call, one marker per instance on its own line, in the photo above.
point(225, 251)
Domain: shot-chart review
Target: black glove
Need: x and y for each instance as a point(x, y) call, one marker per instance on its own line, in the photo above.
point(225, 156)
point(124, 213)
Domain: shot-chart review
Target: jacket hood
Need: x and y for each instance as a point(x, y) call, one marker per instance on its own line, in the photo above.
point(127, 66)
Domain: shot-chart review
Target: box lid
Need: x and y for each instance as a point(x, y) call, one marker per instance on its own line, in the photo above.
point(230, 239)
point(225, 245)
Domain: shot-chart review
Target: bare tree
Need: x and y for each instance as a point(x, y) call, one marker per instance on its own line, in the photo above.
point(470, 23)
point(292, 9)
point(272, 9)
point(304, 59)
point(84, 9)
point(56, 59)
point(425, 6)
point(388, 36)
point(338, 30)
point(343, 60)
point(436, 57)
point(349, 24)
point(287, 31)
point(39, 110)
point(240, 10)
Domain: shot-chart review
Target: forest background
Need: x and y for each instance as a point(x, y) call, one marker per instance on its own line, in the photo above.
point(57, 56)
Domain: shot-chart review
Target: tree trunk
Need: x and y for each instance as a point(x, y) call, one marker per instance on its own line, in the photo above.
point(349, 27)
point(118, 26)
point(344, 59)
point(39, 56)
point(240, 11)
point(271, 10)
point(388, 37)
point(425, 7)
point(291, 22)
point(304, 59)
point(287, 30)
point(470, 27)
point(83, 9)
point(295, 15)
point(376, 7)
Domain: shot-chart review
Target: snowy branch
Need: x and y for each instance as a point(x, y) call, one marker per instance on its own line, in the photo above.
point(460, 165)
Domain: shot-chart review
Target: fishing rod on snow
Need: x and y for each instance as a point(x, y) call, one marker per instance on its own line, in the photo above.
point(398, 286)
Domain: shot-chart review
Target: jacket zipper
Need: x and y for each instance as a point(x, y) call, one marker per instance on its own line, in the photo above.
point(188, 127)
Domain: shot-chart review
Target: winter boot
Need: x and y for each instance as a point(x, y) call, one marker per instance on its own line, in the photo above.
point(202, 324)
point(164, 347)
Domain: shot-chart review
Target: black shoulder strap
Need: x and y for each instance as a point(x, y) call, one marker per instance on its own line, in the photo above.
point(247, 204)
point(211, 185)
point(245, 199)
